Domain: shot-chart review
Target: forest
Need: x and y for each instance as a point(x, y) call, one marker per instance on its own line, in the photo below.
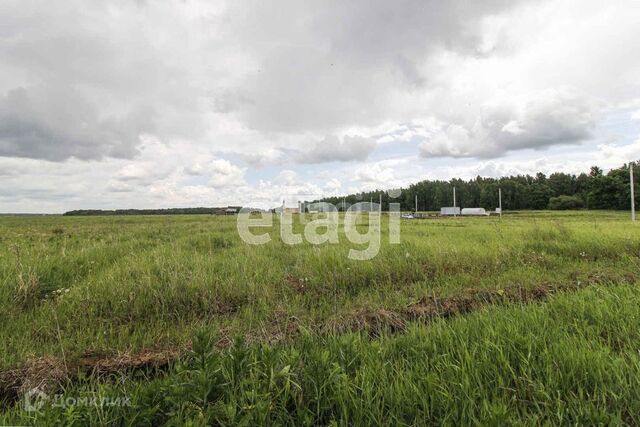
point(561, 191)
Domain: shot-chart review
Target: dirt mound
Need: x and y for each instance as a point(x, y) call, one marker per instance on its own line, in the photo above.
point(46, 374)
point(374, 321)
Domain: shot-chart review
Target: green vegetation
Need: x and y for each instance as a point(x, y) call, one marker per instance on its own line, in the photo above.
point(532, 318)
point(565, 203)
point(558, 191)
point(595, 190)
point(170, 211)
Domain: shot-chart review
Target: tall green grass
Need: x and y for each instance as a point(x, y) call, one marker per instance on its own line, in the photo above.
point(71, 286)
point(105, 284)
point(571, 361)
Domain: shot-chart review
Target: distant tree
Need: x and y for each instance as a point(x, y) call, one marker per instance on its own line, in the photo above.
point(561, 183)
point(488, 197)
point(538, 196)
point(594, 190)
point(606, 192)
point(564, 202)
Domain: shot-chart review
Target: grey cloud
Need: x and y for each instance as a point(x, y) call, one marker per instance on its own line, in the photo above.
point(56, 123)
point(119, 187)
point(332, 64)
point(9, 168)
point(332, 149)
point(553, 117)
point(264, 157)
point(85, 80)
point(329, 149)
point(143, 173)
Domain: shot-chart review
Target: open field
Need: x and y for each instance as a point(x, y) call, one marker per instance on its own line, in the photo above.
point(531, 318)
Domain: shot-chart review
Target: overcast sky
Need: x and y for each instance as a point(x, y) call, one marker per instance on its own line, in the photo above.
point(136, 104)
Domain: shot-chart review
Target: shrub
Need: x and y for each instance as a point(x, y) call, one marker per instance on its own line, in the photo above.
point(563, 203)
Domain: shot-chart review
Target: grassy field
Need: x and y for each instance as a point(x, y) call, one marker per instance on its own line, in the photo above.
point(532, 318)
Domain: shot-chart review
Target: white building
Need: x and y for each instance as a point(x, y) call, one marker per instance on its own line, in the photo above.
point(449, 211)
point(474, 212)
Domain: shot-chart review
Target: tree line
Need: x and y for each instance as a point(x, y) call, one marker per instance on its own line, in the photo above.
point(169, 211)
point(593, 190)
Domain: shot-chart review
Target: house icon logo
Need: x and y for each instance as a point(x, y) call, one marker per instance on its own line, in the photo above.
point(34, 399)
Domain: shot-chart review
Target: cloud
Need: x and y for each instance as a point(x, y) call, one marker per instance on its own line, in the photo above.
point(374, 174)
point(614, 154)
point(88, 79)
point(264, 157)
point(221, 173)
point(91, 78)
point(549, 118)
point(116, 186)
point(332, 149)
point(84, 87)
point(143, 172)
point(332, 186)
point(329, 149)
point(332, 65)
point(224, 174)
point(386, 173)
point(287, 177)
point(56, 123)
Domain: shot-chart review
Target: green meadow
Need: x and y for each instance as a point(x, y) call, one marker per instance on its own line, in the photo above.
point(533, 318)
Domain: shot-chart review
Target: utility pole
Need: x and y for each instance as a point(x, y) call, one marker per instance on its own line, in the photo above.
point(380, 208)
point(416, 203)
point(454, 202)
point(500, 200)
point(633, 197)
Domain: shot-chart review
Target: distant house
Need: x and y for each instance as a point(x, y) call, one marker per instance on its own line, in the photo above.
point(291, 210)
point(229, 210)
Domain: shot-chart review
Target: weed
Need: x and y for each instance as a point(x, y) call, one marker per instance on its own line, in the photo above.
point(468, 321)
point(27, 289)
